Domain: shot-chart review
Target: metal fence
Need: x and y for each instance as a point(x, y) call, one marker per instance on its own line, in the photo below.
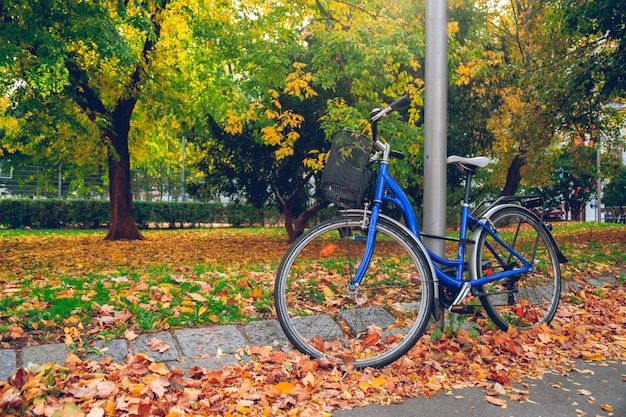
point(35, 182)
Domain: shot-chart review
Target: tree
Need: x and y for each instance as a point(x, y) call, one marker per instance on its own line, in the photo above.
point(615, 190)
point(573, 176)
point(90, 60)
point(564, 63)
point(346, 60)
point(601, 26)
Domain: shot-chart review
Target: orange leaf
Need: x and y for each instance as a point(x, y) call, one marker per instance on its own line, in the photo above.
point(16, 331)
point(328, 250)
point(607, 408)
point(285, 387)
point(371, 339)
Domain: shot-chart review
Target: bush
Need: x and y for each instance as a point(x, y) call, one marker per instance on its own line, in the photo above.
point(93, 214)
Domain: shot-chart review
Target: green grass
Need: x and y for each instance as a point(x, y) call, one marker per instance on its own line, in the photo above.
point(51, 281)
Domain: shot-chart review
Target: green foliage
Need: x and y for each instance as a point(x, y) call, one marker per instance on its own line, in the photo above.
point(603, 24)
point(257, 87)
point(93, 214)
point(615, 190)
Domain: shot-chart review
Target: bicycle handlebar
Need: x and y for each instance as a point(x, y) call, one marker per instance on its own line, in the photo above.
point(401, 103)
point(377, 114)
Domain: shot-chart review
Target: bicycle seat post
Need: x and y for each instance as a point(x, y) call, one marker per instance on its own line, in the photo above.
point(468, 182)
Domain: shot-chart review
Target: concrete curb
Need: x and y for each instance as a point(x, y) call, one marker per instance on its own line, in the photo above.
point(211, 347)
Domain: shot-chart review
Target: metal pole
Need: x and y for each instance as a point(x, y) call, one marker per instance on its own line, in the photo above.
point(435, 122)
point(60, 182)
point(435, 132)
point(182, 187)
point(598, 188)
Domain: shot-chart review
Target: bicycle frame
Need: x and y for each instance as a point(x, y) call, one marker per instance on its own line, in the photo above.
point(388, 190)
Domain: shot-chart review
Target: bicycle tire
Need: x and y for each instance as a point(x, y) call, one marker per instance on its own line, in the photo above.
point(522, 300)
point(371, 327)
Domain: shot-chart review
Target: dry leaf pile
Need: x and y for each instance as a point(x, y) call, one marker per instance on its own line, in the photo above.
point(589, 325)
point(279, 383)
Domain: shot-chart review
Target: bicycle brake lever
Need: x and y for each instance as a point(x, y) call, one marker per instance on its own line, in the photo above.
point(401, 103)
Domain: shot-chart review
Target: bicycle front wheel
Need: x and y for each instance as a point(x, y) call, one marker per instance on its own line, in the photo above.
point(525, 299)
point(370, 325)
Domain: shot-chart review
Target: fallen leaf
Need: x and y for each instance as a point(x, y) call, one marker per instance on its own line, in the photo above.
point(285, 387)
point(607, 408)
point(158, 344)
point(197, 297)
point(371, 339)
point(16, 331)
point(501, 402)
point(159, 385)
point(129, 334)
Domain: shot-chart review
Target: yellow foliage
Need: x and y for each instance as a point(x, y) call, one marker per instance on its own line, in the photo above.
point(274, 93)
point(465, 72)
point(316, 161)
point(283, 152)
point(453, 27)
point(297, 82)
point(271, 136)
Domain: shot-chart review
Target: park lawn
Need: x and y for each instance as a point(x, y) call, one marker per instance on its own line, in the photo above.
point(74, 286)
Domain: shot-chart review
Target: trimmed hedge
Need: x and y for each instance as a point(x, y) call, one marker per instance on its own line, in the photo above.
point(93, 214)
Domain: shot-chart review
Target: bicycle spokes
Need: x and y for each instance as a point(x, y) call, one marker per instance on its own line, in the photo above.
point(524, 255)
point(325, 312)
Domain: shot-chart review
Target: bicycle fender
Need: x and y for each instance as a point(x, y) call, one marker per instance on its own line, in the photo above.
point(559, 255)
point(418, 243)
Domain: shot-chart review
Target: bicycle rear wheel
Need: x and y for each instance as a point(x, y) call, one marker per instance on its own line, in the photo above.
point(371, 325)
point(526, 299)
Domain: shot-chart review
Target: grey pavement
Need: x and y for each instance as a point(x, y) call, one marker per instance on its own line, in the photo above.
point(582, 392)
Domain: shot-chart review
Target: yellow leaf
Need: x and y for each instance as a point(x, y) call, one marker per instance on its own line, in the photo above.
point(328, 293)
point(285, 387)
point(607, 408)
point(593, 356)
point(159, 368)
point(379, 382)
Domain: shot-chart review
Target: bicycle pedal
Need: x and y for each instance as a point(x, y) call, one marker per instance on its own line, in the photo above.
point(462, 309)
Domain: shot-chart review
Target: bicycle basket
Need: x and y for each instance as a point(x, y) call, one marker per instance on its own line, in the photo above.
point(345, 177)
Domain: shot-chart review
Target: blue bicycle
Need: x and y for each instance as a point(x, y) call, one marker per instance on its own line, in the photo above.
point(361, 287)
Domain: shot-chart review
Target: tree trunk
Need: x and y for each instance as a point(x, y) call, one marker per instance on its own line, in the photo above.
point(123, 225)
point(514, 175)
point(304, 217)
point(296, 228)
point(291, 235)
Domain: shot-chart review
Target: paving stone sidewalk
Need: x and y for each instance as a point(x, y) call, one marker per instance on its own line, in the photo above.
point(209, 347)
